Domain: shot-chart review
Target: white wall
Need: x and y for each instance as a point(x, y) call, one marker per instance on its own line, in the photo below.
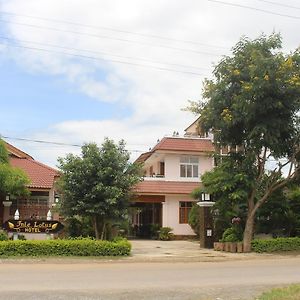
point(172, 167)
point(171, 215)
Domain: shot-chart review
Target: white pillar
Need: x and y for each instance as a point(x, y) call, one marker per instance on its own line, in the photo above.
point(164, 214)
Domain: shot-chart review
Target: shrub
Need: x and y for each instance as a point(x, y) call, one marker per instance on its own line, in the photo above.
point(76, 247)
point(278, 244)
point(194, 218)
point(232, 234)
point(3, 235)
point(165, 234)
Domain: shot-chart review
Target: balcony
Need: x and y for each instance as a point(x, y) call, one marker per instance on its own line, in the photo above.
point(155, 177)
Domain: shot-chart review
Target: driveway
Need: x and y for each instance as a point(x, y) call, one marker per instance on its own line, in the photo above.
point(184, 251)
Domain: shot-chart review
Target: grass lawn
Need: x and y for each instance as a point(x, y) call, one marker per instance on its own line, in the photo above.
point(288, 293)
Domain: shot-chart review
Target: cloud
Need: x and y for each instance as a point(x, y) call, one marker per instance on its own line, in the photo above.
point(154, 97)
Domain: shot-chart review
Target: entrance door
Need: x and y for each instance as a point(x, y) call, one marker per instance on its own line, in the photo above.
point(146, 219)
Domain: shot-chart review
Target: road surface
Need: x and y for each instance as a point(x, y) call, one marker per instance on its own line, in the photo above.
point(227, 280)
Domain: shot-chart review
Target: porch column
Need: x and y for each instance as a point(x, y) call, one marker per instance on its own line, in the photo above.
point(164, 214)
point(6, 211)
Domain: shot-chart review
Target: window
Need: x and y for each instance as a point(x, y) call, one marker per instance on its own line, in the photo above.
point(184, 211)
point(189, 166)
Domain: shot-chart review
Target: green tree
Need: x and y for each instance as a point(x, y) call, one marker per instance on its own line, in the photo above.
point(13, 181)
point(252, 105)
point(98, 184)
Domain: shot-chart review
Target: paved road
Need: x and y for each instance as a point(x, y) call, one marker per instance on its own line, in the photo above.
point(158, 280)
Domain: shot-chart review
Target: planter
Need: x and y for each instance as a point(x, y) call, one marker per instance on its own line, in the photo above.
point(240, 247)
point(227, 246)
point(218, 246)
point(233, 247)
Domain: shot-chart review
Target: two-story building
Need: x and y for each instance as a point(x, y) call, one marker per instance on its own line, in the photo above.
point(172, 171)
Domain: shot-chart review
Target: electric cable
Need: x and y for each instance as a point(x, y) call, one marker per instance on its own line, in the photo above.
point(103, 59)
point(112, 29)
point(256, 9)
point(107, 37)
point(100, 52)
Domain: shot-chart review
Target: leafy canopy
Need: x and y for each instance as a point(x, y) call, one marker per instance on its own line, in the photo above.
point(12, 180)
point(254, 98)
point(253, 105)
point(98, 182)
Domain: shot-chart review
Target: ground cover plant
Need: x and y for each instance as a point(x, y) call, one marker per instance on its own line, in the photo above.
point(288, 293)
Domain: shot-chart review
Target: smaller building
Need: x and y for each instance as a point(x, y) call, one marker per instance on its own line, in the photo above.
point(42, 188)
point(172, 170)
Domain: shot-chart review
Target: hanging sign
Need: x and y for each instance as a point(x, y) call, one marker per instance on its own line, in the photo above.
point(32, 226)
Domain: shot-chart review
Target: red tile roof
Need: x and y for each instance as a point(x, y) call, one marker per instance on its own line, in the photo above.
point(165, 187)
point(13, 151)
point(180, 144)
point(185, 144)
point(40, 175)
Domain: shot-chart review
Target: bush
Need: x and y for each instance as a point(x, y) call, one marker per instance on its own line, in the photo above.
point(76, 247)
point(194, 218)
point(165, 234)
point(278, 244)
point(232, 234)
point(3, 235)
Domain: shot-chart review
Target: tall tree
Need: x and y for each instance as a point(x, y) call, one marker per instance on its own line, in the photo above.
point(97, 183)
point(253, 105)
point(13, 181)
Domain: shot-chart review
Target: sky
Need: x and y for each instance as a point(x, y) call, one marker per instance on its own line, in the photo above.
point(74, 71)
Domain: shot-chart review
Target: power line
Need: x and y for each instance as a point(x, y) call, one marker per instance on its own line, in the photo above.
point(279, 4)
point(52, 142)
point(112, 29)
point(103, 59)
point(108, 37)
point(256, 9)
point(39, 141)
point(100, 52)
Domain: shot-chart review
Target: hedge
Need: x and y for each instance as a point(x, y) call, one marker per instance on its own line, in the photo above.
point(278, 244)
point(83, 247)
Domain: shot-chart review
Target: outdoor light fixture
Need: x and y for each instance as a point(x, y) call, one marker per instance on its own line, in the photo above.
point(205, 201)
point(7, 202)
point(56, 198)
point(206, 221)
point(17, 215)
point(49, 215)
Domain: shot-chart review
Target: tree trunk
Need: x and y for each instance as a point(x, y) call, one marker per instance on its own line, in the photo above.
point(96, 227)
point(103, 231)
point(248, 232)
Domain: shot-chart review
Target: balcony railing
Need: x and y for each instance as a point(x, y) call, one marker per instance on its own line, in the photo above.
point(155, 177)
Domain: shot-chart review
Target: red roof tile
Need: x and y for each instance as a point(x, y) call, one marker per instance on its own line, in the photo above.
point(180, 144)
point(185, 144)
point(165, 187)
point(40, 175)
point(13, 151)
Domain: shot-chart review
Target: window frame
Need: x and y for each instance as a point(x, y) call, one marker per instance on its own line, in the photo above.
point(184, 218)
point(189, 165)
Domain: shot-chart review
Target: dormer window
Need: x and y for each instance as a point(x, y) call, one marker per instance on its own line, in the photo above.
point(189, 166)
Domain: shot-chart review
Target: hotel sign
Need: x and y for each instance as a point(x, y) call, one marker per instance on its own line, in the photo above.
point(33, 226)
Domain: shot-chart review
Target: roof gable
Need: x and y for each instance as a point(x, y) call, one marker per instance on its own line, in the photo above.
point(180, 144)
point(41, 176)
point(13, 151)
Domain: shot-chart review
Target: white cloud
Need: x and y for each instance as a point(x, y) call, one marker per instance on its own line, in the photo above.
point(154, 97)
